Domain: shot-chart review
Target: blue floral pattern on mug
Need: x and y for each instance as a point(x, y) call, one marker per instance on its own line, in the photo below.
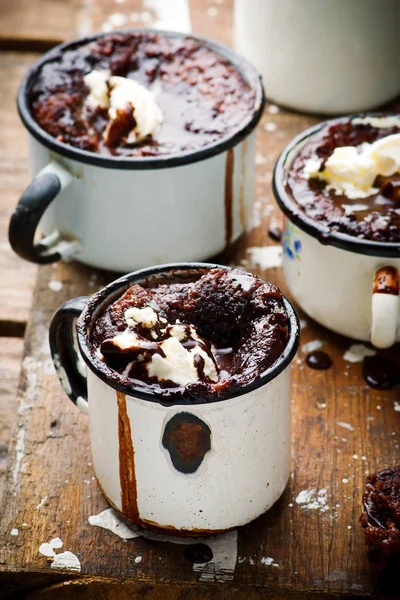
point(291, 246)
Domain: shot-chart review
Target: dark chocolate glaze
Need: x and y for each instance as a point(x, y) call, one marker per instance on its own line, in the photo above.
point(381, 373)
point(236, 312)
point(319, 360)
point(202, 95)
point(381, 516)
point(381, 221)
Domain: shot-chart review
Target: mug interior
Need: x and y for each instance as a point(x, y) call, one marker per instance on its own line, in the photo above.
point(172, 273)
point(296, 215)
point(247, 71)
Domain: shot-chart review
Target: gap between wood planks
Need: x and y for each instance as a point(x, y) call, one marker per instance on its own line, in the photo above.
point(28, 44)
point(12, 329)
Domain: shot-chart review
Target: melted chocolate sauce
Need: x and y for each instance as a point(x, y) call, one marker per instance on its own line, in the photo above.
point(380, 221)
point(381, 373)
point(319, 360)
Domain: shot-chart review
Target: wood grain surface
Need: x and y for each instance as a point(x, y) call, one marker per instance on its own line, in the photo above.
point(10, 366)
point(341, 431)
point(341, 428)
point(17, 276)
point(37, 25)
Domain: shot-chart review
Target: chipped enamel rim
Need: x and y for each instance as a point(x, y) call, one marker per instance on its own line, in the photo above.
point(295, 214)
point(98, 302)
point(248, 72)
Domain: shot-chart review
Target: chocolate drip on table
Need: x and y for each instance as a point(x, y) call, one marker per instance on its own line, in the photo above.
point(319, 360)
point(381, 373)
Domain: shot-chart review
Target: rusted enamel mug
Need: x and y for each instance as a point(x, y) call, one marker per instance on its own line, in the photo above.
point(103, 210)
point(187, 468)
point(348, 284)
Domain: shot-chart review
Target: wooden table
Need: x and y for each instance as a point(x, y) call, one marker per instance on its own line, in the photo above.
point(310, 544)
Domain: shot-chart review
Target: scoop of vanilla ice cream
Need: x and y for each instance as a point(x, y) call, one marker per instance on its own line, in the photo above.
point(98, 95)
point(146, 112)
point(386, 154)
point(178, 364)
point(113, 92)
point(352, 172)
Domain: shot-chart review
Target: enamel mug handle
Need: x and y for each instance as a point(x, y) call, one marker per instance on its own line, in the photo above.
point(385, 307)
point(63, 352)
point(33, 203)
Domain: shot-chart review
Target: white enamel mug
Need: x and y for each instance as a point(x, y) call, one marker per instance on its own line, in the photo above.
point(347, 284)
point(324, 56)
point(191, 468)
point(123, 213)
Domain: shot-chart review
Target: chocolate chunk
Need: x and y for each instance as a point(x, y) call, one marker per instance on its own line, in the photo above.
point(381, 516)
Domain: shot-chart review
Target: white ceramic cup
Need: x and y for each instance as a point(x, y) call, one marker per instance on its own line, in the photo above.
point(239, 448)
point(348, 284)
point(123, 213)
point(324, 56)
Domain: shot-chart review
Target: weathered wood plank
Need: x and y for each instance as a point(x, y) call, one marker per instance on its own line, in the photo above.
point(317, 545)
point(17, 276)
point(11, 350)
point(33, 25)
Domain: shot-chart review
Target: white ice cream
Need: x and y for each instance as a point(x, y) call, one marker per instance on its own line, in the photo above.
point(116, 93)
point(352, 171)
point(145, 316)
point(126, 339)
point(146, 112)
point(96, 81)
point(178, 363)
point(378, 122)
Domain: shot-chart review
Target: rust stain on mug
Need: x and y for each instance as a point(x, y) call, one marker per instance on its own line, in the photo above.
point(127, 475)
point(187, 439)
point(229, 195)
point(183, 532)
point(242, 204)
point(387, 281)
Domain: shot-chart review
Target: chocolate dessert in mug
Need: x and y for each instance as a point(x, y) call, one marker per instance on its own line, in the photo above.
point(339, 186)
point(188, 393)
point(137, 136)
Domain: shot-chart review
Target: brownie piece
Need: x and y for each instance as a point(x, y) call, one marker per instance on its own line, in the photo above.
point(381, 517)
